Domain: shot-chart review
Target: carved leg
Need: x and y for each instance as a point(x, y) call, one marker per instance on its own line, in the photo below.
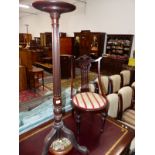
point(73, 112)
point(103, 117)
point(77, 119)
point(47, 142)
point(70, 135)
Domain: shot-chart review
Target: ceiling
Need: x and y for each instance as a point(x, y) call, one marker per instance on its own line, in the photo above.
point(32, 11)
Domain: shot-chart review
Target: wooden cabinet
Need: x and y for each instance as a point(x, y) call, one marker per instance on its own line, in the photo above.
point(119, 44)
point(37, 55)
point(65, 62)
point(25, 58)
point(24, 38)
point(22, 78)
point(118, 49)
point(90, 43)
point(46, 38)
point(66, 45)
point(112, 65)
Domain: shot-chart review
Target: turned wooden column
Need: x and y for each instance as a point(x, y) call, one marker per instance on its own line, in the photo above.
point(55, 8)
point(56, 67)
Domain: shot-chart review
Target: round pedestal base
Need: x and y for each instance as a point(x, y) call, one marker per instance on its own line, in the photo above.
point(60, 146)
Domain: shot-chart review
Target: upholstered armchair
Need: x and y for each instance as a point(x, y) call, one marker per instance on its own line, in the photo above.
point(115, 83)
point(127, 114)
point(133, 100)
point(133, 84)
point(105, 83)
point(125, 77)
point(113, 103)
point(132, 147)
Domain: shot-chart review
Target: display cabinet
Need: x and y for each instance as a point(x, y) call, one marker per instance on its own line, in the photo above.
point(66, 45)
point(118, 50)
point(24, 38)
point(65, 63)
point(89, 43)
point(46, 38)
point(119, 44)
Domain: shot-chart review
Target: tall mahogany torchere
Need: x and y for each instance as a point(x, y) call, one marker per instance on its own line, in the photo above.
point(55, 8)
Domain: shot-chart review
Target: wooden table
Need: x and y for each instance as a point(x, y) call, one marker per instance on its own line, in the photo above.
point(22, 78)
point(115, 138)
point(35, 74)
point(47, 60)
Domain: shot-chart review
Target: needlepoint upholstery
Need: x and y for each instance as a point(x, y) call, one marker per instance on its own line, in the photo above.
point(89, 101)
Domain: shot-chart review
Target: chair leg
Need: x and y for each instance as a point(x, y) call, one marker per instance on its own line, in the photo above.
point(103, 117)
point(73, 113)
point(77, 119)
point(43, 79)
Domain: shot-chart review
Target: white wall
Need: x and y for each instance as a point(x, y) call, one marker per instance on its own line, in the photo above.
point(110, 16)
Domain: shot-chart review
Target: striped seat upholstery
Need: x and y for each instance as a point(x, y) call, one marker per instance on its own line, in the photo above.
point(89, 101)
point(129, 116)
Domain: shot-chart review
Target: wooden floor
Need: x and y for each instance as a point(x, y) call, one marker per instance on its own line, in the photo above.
point(112, 141)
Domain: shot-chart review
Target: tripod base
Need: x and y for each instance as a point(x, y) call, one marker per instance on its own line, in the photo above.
point(56, 132)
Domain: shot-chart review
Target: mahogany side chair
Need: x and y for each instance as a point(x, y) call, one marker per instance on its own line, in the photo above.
point(85, 100)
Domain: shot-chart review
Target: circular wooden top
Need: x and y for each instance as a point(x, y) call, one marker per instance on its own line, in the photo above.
point(36, 69)
point(53, 6)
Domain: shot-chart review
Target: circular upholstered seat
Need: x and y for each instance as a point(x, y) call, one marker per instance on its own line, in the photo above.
point(89, 101)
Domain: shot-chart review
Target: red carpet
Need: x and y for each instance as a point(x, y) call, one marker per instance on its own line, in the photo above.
point(111, 142)
point(29, 95)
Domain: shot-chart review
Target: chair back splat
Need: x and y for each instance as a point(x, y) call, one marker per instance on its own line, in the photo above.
point(84, 63)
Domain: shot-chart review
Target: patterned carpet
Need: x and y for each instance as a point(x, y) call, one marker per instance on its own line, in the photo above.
point(29, 99)
point(67, 82)
point(30, 95)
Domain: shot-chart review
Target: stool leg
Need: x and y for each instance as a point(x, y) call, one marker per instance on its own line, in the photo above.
point(34, 81)
point(43, 79)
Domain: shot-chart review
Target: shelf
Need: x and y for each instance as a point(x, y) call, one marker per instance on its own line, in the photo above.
point(119, 44)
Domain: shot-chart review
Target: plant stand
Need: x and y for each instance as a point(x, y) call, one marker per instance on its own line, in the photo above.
point(55, 8)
